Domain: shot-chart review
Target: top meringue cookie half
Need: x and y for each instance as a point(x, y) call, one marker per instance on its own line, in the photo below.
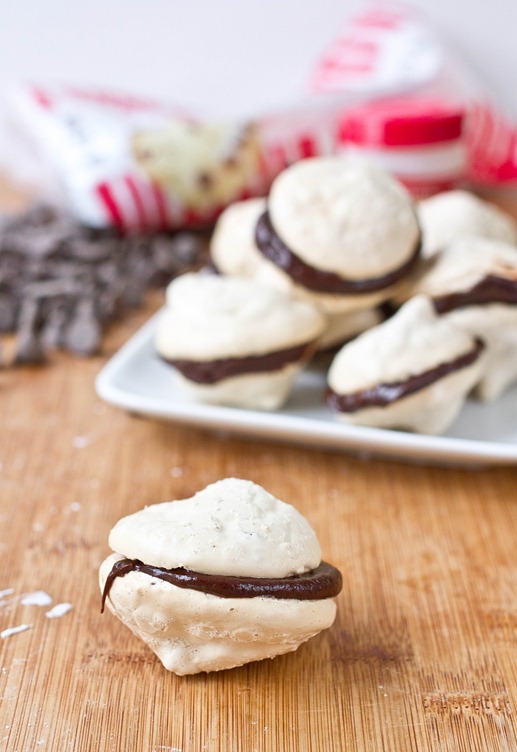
point(340, 228)
point(456, 215)
point(231, 317)
point(232, 527)
point(413, 371)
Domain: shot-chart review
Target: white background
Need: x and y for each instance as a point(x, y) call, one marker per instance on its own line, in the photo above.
point(225, 56)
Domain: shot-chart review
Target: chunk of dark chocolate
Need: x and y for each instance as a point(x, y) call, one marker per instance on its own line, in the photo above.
point(79, 278)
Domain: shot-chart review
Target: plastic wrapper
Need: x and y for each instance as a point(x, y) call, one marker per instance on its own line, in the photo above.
point(387, 55)
point(141, 166)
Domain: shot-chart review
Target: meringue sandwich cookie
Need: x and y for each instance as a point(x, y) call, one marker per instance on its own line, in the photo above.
point(234, 341)
point(228, 576)
point(413, 372)
point(474, 283)
point(455, 215)
point(342, 230)
point(232, 246)
point(496, 325)
point(233, 252)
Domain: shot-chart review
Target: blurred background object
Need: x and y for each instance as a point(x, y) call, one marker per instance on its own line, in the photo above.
point(226, 58)
point(230, 118)
point(140, 118)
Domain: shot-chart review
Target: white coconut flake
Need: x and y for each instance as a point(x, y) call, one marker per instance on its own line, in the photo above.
point(38, 598)
point(7, 591)
point(14, 630)
point(60, 609)
point(80, 442)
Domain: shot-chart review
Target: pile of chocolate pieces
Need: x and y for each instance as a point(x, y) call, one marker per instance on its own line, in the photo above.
point(61, 282)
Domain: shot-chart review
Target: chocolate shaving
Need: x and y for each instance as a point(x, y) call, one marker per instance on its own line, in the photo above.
point(273, 247)
point(83, 334)
point(29, 349)
point(8, 311)
point(323, 582)
point(384, 394)
point(79, 278)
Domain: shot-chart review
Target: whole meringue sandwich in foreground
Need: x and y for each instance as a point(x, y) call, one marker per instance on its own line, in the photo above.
point(229, 576)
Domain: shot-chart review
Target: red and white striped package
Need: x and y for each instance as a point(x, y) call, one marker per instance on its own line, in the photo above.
point(73, 145)
point(76, 145)
point(385, 87)
point(387, 54)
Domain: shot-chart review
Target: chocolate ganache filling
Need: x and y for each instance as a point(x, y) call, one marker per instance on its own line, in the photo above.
point(323, 582)
point(491, 289)
point(212, 371)
point(381, 395)
point(273, 247)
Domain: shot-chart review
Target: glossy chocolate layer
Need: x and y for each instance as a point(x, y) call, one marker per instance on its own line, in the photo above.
point(323, 582)
point(491, 289)
point(273, 247)
point(212, 371)
point(381, 395)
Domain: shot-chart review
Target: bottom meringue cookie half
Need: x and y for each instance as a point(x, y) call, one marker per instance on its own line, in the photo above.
point(229, 576)
point(192, 631)
point(253, 391)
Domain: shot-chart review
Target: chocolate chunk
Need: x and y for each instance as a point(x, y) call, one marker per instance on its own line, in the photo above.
point(11, 267)
point(205, 181)
point(49, 257)
point(8, 311)
point(171, 256)
point(52, 288)
point(132, 292)
point(90, 249)
point(29, 349)
point(56, 320)
point(83, 335)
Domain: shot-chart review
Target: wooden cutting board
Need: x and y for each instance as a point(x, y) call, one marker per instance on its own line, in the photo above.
point(422, 655)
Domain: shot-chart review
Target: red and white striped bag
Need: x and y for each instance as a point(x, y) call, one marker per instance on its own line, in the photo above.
point(386, 73)
point(386, 54)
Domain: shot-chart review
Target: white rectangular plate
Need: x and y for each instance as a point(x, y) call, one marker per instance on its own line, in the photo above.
point(137, 380)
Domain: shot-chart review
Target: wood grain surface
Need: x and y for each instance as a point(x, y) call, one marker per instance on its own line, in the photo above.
point(422, 655)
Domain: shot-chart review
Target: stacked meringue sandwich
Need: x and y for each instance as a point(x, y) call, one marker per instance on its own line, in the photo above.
point(419, 301)
point(229, 576)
